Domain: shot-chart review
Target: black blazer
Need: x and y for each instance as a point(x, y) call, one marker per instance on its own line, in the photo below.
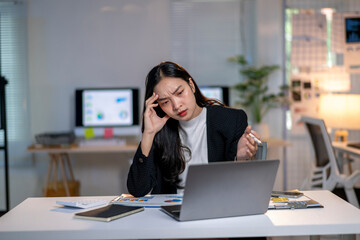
point(225, 126)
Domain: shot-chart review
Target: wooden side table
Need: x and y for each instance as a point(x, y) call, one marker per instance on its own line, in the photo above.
point(65, 184)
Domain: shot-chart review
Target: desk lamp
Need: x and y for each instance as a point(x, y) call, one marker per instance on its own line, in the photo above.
point(340, 111)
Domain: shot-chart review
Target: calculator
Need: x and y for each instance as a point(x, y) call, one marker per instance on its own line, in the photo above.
point(292, 205)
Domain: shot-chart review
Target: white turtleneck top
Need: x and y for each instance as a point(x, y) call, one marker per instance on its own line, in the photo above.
point(193, 135)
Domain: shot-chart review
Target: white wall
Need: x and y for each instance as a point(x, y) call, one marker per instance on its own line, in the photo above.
point(89, 43)
point(85, 43)
point(107, 43)
point(269, 51)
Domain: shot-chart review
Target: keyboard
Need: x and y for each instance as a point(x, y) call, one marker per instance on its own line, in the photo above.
point(83, 203)
point(354, 145)
point(102, 142)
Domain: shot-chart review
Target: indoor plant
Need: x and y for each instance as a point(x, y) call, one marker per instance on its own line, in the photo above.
point(253, 91)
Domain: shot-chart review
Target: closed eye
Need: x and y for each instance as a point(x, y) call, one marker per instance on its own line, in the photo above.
point(180, 92)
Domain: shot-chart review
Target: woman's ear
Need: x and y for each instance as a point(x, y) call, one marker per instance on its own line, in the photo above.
point(191, 84)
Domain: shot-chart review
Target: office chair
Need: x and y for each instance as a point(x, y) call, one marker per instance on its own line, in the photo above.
point(325, 173)
point(261, 151)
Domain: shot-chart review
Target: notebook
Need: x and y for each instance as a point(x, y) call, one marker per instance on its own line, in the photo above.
point(108, 213)
point(226, 189)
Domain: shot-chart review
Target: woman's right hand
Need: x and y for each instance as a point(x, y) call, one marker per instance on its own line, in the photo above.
point(152, 122)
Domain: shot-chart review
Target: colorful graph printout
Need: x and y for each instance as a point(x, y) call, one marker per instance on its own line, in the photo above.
point(148, 200)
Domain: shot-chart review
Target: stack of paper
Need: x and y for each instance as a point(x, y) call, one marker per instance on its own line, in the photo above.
point(293, 203)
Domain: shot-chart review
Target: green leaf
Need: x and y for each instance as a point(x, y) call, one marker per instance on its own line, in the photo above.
point(238, 59)
point(252, 91)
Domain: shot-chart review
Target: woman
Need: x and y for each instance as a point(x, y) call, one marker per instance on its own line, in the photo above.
point(182, 127)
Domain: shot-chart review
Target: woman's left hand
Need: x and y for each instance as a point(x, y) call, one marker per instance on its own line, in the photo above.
point(246, 147)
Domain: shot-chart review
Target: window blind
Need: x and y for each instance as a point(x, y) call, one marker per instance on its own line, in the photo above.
point(13, 40)
point(204, 34)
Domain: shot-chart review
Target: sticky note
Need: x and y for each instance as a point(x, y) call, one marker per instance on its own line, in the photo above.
point(108, 132)
point(280, 199)
point(89, 133)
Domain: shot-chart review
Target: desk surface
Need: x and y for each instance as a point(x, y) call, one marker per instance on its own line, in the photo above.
point(342, 146)
point(116, 148)
point(39, 218)
point(277, 142)
point(83, 149)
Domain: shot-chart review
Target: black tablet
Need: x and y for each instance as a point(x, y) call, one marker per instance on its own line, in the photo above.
point(109, 212)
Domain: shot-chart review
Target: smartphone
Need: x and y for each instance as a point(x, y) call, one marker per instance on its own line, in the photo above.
point(289, 194)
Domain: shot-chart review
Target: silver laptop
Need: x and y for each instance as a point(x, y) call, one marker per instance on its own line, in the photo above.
point(226, 189)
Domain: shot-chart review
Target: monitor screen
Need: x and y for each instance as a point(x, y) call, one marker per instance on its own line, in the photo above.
point(352, 30)
point(107, 107)
point(217, 92)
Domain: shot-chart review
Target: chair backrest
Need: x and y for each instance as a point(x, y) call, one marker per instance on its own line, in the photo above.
point(321, 142)
point(317, 139)
point(261, 151)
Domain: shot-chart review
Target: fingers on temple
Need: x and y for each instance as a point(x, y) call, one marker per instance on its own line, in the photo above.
point(150, 102)
point(151, 99)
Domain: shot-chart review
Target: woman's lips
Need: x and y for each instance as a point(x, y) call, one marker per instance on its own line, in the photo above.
point(182, 113)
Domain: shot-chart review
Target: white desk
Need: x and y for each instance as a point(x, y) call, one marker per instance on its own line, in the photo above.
point(343, 153)
point(84, 149)
point(343, 148)
point(41, 218)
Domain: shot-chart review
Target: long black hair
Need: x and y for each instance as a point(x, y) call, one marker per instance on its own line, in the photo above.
point(169, 154)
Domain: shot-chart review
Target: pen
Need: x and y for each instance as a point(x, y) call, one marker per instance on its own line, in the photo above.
point(255, 138)
point(117, 198)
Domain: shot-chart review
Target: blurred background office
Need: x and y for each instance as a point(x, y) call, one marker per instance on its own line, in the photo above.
point(51, 48)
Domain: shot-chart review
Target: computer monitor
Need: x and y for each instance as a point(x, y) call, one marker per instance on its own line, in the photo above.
point(218, 92)
point(352, 30)
point(107, 107)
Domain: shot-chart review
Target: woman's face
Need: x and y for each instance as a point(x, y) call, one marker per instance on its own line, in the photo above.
point(177, 99)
